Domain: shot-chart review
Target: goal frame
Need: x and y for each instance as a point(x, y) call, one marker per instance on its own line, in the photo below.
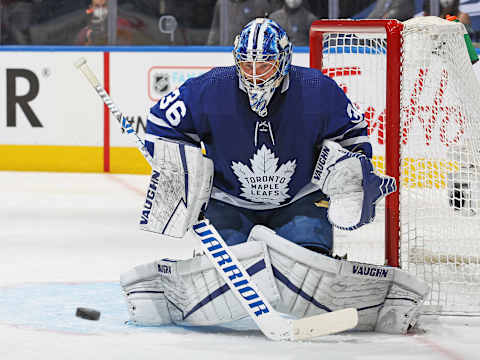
point(393, 30)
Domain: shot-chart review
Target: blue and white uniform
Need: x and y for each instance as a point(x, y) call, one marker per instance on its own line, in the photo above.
point(260, 163)
point(264, 123)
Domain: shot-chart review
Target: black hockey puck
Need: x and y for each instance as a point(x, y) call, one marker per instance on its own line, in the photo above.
point(87, 314)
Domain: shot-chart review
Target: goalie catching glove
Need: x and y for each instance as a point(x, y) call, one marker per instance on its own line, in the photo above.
point(349, 180)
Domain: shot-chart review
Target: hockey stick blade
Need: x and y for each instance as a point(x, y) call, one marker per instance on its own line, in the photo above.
point(268, 320)
point(324, 324)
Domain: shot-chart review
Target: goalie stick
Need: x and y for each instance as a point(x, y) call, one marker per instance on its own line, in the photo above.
point(81, 64)
point(268, 320)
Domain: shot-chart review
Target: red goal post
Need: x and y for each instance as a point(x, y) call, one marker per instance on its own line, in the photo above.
point(392, 29)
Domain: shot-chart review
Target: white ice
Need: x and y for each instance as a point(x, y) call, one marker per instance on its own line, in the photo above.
point(64, 240)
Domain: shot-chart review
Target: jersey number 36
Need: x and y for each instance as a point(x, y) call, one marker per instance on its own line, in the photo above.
point(176, 110)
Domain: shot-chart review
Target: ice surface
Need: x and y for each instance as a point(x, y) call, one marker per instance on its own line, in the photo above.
point(64, 240)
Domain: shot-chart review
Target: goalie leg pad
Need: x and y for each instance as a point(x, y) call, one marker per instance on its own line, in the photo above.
point(387, 299)
point(310, 283)
point(179, 189)
point(192, 292)
point(295, 280)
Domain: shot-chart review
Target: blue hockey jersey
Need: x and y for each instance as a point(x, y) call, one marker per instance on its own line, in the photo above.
point(259, 162)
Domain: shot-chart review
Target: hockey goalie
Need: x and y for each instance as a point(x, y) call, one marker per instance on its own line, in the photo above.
point(280, 156)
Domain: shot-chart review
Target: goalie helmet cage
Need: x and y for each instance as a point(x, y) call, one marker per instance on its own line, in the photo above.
point(415, 84)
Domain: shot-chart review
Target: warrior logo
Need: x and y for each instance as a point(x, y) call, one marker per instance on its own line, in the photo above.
point(264, 182)
point(161, 83)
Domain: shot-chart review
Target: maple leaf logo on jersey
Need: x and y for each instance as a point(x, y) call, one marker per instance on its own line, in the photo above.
point(264, 183)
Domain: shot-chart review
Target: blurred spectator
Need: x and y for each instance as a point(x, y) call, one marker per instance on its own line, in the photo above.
point(96, 31)
point(131, 29)
point(393, 9)
point(231, 15)
point(295, 20)
point(451, 7)
point(448, 7)
point(16, 18)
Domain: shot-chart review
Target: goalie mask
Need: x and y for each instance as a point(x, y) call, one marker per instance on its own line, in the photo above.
point(263, 54)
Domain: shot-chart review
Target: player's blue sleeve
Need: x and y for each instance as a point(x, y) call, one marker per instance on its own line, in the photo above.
point(346, 125)
point(176, 116)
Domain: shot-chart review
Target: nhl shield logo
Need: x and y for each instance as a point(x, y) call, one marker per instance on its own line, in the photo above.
point(161, 83)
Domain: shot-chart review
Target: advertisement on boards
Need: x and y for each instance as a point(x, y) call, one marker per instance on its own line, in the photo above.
point(50, 119)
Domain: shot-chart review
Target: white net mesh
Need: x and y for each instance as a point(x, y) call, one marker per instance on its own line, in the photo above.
point(440, 154)
point(365, 60)
point(440, 232)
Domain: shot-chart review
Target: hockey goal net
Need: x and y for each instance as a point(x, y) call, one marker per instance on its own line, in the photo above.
point(416, 86)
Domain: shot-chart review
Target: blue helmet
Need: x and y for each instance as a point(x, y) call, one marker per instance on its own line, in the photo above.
point(263, 54)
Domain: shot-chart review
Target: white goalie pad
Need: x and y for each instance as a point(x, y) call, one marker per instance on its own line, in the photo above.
point(295, 280)
point(179, 188)
point(192, 292)
point(387, 299)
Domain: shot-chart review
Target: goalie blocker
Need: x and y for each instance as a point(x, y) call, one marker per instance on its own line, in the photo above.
point(179, 188)
point(295, 280)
